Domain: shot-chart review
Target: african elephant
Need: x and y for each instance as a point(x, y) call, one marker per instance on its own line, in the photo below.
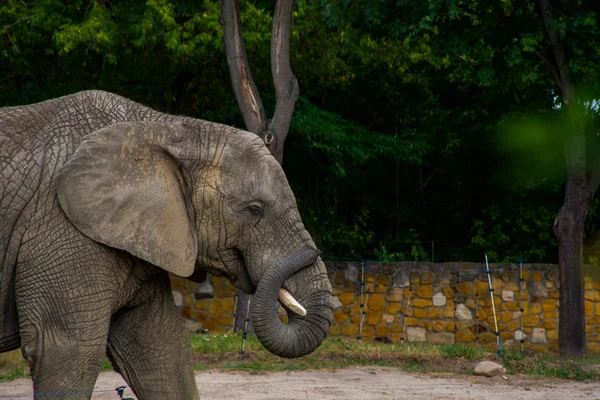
point(101, 197)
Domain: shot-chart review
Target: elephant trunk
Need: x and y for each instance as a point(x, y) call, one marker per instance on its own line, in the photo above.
point(302, 334)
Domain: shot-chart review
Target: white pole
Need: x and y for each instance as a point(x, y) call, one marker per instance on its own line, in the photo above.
point(489, 273)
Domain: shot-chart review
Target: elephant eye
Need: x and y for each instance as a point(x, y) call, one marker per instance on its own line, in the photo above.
point(255, 210)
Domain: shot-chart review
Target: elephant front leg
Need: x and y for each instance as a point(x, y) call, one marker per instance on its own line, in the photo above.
point(62, 366)
point(149, 346)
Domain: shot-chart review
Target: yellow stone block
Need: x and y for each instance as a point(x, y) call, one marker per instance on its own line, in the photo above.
point(347, 298)
point(396, 337)
point(384, 280)
point(354, 309)
point(513, 325)
point(379, 288)
point(220, 306)
point(464, 288)
point(367, 331)
point(420, 313)
point(460, 325)
point(537, 276)
point(395, 295)
point(589, 307)
point(224, 292)
point(550, 314)
point(487, 337)
point(336, 291)
point(177, 283)
point(381, 330)
point(398, 327)
point(334, 330)
point(448, 292)
point(539, 348)
point(531, 320)
point(465, 335)
point(410, 322)
point(424, 291)
point(228, 321)
point(597, 310)
point(376, 302)
point(554, 346)
point(549, 305)
point(369, 278)
point(505, 316)
point(513, 305)
point(549, 325)
point(592, 295)
point(435, 313)
point(394, 308)
point(511, 286)
point(593, 347)
point(349, 329)
point(470, 303)
point(506, 335)
point(340, 316)
point(439, 326)
point(597, 285)
point(449, 310)
point(201, 316)
point(426, 324)
point(552, 334)
point(374, 317)
point(210, 324)
point(422, 303)
point(554, 294)
point(482, 288)
point(202, 305)
point(490, 346)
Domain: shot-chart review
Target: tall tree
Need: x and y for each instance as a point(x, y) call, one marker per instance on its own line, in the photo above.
point(581, 184)
point(275, 130)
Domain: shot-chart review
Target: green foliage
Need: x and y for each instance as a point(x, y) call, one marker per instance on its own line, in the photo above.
point(423, 123)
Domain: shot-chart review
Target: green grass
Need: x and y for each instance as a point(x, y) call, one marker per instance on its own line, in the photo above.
point(223, 351)
point(553, 367)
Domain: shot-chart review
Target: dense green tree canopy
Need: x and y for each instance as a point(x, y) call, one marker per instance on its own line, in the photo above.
point(421, 130)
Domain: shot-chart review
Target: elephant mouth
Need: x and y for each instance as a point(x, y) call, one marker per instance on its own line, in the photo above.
point(243, 281)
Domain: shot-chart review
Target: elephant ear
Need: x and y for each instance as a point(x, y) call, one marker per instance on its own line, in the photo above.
point(123, 188)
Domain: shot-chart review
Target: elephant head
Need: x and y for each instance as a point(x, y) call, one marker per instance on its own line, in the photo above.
point(193, 195)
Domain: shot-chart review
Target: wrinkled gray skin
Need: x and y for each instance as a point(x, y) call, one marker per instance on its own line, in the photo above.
point(99, 198)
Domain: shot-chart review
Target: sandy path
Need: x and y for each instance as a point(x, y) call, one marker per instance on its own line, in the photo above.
point(351, 384)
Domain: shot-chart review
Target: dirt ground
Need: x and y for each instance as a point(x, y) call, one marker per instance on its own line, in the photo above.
point(350, 384)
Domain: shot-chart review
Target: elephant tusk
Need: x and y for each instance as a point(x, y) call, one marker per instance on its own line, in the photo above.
point(290, 302)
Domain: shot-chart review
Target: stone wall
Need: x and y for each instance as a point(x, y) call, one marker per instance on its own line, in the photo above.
point(424, 302)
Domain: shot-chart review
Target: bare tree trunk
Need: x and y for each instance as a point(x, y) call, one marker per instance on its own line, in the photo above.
point(568, 228)
point(569, 223)
point(274, 131)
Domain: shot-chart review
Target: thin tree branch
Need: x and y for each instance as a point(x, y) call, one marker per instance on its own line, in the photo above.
point(246, 93)
point(549, 65)
point(560, 59)
point(286, 84)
